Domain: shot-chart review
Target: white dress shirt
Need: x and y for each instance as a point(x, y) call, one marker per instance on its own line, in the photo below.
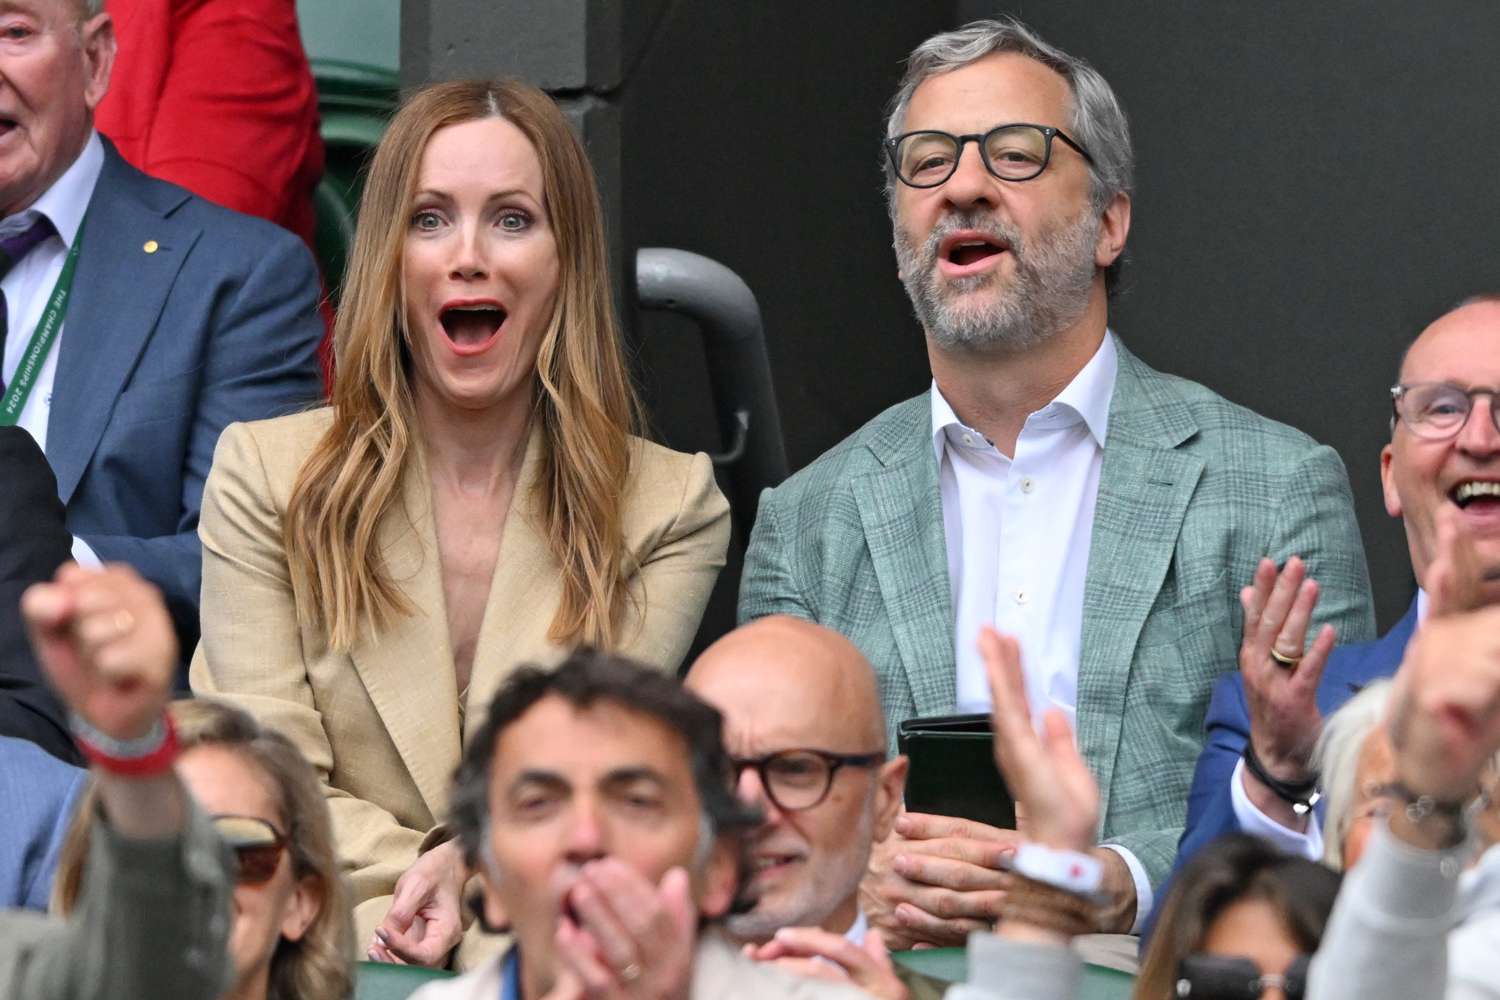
point(1306, 844)
point(1018, 531)
point(28, 285)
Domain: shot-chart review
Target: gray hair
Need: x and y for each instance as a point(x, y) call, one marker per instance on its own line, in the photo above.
point(1097, 122)
point(89, 9)
point(1337, 758)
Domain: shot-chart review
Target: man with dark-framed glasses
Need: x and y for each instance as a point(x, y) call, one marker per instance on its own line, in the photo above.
point(1050, 483)
point(803, 725)
point(1441, 476)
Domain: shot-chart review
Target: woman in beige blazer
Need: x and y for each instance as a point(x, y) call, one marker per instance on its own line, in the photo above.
point(473, 498)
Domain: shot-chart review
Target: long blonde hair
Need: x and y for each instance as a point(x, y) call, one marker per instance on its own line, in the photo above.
point(585, 403)
point(318, 964)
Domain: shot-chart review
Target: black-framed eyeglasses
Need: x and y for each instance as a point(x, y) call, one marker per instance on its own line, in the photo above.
point(1018, 151)
point(800, 779)
point(1438, 410)
point(257, 847)
point(1222, 977)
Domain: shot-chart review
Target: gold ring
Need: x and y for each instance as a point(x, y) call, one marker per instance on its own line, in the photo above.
point(630, 973)
point(1289, 662)
point(124, 621)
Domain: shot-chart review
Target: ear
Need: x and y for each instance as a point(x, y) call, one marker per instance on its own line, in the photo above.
point(1114, 227)
point(720, 878)
point(1388, 482)
point(98, 38)
point(890, 786)
point(302, 908)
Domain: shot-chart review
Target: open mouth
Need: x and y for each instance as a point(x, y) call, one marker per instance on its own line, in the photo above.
point(472, 325)
point(1477, 494)
point(966, 252)
point(766, 862)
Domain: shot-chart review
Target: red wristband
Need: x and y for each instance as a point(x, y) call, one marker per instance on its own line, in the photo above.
point(157, 761)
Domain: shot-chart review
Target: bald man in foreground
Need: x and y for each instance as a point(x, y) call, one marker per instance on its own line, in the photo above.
point(803, 722)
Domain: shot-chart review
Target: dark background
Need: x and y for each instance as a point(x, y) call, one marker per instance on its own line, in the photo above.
point(1315, 183)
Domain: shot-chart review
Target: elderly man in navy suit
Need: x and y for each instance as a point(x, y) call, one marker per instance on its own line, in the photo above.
point(1441, 476)
point(138, 320)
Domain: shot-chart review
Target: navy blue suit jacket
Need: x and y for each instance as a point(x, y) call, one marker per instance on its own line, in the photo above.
point(1210, 807)
point(39, 792)
point(185, 317)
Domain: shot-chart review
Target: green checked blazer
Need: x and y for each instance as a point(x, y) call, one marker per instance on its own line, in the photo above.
point(1193, 491)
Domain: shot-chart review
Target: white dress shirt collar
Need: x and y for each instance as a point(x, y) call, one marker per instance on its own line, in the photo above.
point(855, 935)
point(1086, 397)
point(66, 201)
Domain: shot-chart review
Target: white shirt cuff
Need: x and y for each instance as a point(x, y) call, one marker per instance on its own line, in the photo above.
point(85, 556)
point(1144, 899)
point(1252, 821)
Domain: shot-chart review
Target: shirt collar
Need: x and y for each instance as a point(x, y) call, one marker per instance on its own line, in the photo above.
point(855, 935)
point(1086, 397)
point(65, 202)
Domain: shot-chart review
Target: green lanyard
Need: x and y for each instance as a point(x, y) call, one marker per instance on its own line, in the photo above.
point(14, 401)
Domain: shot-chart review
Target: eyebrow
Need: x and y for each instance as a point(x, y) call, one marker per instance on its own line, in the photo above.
point(611, 779)
point(445, 196)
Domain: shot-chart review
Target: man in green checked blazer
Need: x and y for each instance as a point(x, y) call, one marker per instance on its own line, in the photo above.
point(1050, 482)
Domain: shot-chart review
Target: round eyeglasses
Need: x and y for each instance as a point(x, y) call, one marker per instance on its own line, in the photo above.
point(257, 847)
point(1014, 152)
point(1438, 410)
point(800, 779)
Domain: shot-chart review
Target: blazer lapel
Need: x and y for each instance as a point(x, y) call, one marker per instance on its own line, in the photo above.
point(524, 591)
point(901, 511)
point(1144, 488)
point(118, 293)
point(408, 667)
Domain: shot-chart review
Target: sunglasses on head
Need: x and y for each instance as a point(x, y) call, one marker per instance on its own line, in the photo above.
point(1218, 977)
point(257, 847)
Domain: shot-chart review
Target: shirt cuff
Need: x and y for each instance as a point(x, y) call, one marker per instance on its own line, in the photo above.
point(1144, 898)
point(1252, 821)
point(85, 556)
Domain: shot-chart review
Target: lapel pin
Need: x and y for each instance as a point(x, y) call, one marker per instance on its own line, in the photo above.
point(151, 246)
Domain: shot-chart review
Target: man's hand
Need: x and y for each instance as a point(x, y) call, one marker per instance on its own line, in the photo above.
point(631, 939)
point(1445, 707)
point(935, 880)
point(1046, 774)
point(107, 645)
point(820, 954)
point(1057, 798)
point(1454, 580)
point(1282, 700)
point(425, 921)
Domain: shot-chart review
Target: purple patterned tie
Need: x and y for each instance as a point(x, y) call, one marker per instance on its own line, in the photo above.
point(12, 249)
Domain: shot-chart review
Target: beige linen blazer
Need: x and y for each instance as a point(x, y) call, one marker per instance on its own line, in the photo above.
point(382, 724)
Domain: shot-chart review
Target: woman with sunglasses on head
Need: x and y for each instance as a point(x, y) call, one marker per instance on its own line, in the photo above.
point(290, 936)
point(477, 494)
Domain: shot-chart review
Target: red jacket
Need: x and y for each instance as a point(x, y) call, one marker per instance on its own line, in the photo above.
point(217, 96)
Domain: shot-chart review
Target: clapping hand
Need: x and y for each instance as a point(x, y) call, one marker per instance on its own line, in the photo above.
point(1281, 682)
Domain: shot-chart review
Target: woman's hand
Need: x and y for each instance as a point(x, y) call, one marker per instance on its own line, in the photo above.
point(425, 921)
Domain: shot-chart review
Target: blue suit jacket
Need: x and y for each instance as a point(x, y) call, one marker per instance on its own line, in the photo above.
point(185, 317)
point(1210, 806)
point(38, 791)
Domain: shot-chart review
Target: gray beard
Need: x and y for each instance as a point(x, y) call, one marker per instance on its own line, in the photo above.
point(1048, 292)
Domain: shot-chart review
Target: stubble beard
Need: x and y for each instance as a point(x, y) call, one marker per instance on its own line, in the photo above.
point(1046, 293)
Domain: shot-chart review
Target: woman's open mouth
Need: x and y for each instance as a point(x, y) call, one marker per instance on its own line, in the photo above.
point(472, 327)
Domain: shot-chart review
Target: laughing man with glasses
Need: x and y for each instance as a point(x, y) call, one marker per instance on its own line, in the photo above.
point(1049, 482)
point(1441, 477)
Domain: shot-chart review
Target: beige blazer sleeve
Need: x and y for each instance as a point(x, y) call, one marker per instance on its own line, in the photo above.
point(679, 536)
point(253, 651)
